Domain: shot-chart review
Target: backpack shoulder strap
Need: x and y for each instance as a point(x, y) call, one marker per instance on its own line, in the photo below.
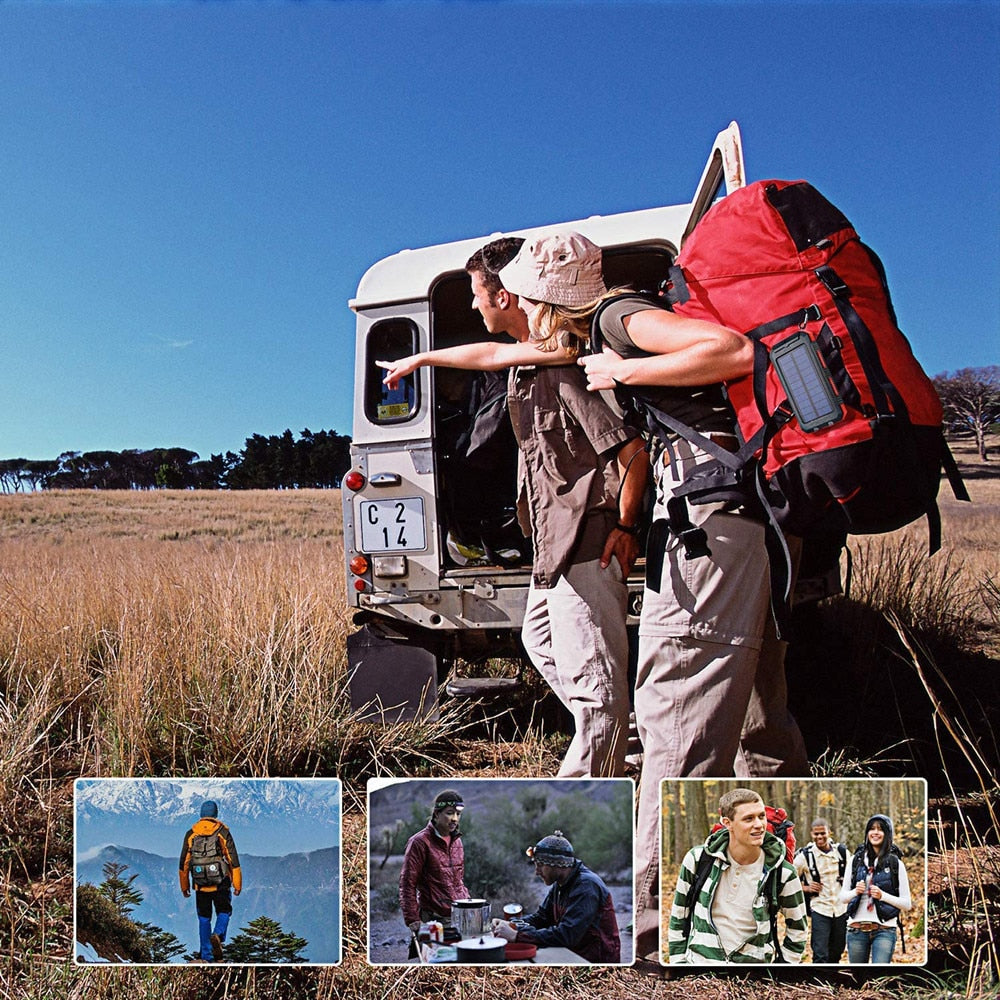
point(597, 343)
point(842, 864)
point(701, 870)
point(810, 856)
point(894, 870)
point(772, 887)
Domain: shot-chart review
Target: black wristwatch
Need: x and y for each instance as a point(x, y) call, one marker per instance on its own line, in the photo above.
point(633, 530)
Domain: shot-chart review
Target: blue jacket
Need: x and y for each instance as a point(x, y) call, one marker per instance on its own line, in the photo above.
point(579, 915)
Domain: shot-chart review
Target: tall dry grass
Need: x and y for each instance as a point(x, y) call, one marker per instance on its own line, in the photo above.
point(166, 645)
point(167, 634)
point(203, 633)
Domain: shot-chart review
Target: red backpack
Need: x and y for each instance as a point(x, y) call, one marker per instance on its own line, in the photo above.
point(780, 825)
point(839, 426)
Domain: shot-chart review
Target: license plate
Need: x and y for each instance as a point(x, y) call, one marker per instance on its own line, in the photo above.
point(392, 525)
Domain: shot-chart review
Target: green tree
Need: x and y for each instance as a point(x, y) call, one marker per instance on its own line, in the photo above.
point(119, 891)
point(12, 474)
point(163, 945)
point(264, 940)
point(38, 472)
point(99, 924)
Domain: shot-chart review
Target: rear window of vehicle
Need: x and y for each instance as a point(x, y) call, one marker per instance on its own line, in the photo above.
point(390, 340)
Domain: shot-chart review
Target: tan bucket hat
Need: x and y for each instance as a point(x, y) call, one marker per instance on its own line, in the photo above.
point(563, 269)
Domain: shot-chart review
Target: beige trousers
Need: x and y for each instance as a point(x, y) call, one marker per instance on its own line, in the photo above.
point(574, 633)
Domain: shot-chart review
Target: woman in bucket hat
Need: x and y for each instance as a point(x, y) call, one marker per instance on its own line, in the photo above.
point(581, 478)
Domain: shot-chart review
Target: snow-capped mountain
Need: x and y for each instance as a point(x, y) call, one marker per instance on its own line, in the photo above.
point(274, 815)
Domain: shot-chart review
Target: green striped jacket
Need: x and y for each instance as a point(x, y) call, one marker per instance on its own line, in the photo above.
point(702, 944)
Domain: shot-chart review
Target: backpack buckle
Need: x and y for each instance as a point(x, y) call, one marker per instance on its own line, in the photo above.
point(695, 542)
point(693, 538)
point(836, 285)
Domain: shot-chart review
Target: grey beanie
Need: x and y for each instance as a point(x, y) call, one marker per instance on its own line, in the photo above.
point(553, 850)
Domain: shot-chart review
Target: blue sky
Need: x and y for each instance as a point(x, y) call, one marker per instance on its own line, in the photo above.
point(190, 192)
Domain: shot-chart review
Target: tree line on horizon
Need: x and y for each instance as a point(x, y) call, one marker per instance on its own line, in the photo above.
point(970, 396)
point(279, 461)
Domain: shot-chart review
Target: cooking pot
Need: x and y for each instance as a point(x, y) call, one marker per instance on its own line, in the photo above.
point(471, 917)
point(483, 950)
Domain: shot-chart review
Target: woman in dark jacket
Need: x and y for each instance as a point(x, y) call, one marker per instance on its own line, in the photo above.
point(875, 889)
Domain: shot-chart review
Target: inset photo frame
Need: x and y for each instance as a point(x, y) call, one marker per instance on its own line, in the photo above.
point(237, 871)
point(822, 871)
point(487, 871)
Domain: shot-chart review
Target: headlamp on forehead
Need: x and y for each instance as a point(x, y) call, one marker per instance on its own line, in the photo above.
point(447, 800)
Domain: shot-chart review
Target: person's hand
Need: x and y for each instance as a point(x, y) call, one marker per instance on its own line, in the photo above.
point(396, 370)
point(237, 891)
point(624, 547)
point(876, 892)
point(812, 887)
point(503, 929)
point(414, 926)
point(187, 892)
point(860, 888)
point(601, 369)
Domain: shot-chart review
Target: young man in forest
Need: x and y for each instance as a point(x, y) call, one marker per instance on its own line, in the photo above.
point(743, 873)
point(209, 862)
point(433, 873)
point(577, 913)
point(821, 865)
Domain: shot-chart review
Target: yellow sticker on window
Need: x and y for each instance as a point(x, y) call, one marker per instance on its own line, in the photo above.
point(392, 411)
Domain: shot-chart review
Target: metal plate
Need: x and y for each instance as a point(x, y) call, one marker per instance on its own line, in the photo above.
point(392, 525)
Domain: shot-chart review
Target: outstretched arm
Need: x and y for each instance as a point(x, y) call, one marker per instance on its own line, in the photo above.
point(682, 352)
point(479, 356)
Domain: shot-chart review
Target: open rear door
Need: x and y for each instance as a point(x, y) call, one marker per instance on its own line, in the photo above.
point(725, 166)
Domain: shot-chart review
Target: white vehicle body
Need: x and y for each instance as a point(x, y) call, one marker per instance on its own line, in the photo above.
point(399, 576)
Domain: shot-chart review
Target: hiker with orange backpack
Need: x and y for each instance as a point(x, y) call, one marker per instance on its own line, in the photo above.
point(210, 864)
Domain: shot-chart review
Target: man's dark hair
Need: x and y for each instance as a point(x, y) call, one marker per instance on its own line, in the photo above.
point(489, 260)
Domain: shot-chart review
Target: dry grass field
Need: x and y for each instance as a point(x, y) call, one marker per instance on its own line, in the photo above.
point(204, 633)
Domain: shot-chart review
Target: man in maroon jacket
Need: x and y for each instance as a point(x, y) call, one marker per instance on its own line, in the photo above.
point(434, 865)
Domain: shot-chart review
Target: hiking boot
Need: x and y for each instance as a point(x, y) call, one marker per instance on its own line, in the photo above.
point(216, 947)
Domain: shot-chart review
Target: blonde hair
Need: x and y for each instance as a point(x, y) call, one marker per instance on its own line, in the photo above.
point(567, 327)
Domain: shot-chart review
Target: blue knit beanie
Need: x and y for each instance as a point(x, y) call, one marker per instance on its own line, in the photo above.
point(209, 809)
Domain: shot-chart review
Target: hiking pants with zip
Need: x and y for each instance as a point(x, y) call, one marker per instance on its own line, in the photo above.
point(700, 641)
point(574, 634)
